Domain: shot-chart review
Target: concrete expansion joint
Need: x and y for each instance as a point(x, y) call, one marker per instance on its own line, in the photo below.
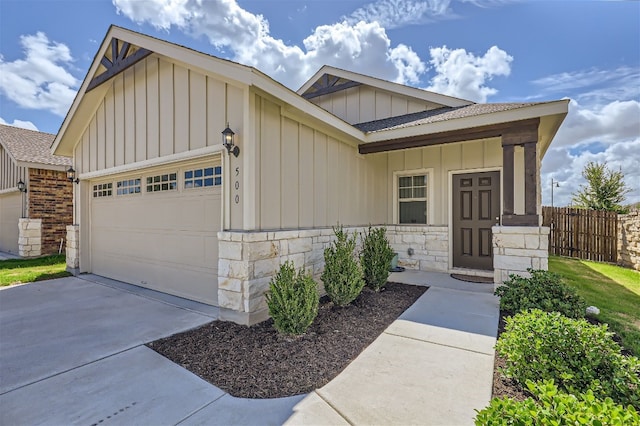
point(334, 408)
point(71, 369)
point(196, 411)
point(439, 344)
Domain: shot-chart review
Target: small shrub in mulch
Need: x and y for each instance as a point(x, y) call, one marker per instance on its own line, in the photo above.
point(376, 257)
point(342, 276)
point(258, 362)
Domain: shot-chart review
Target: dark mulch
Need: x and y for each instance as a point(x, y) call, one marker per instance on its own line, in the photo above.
point(257, 362)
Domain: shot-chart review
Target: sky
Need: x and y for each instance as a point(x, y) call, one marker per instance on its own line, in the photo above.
point(481, 50)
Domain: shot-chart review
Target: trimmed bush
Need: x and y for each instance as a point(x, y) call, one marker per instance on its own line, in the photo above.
point(376, 257)
point(342, 276)
point(544, 290)
point(555, 408)
point(578, 356)
point(292, 300)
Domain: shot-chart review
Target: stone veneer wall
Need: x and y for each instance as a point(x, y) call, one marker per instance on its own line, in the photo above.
point(248, 261)
point(29, 237)
point(516, 248)
point(73, 249)
point(629, 240)
point(51, 199)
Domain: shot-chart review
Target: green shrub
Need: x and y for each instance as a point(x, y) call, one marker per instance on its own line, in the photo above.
point(376, 257)
point(292, 300)
point(554, 408)
point(543, 290)
point(342, 276)
point(578, 356)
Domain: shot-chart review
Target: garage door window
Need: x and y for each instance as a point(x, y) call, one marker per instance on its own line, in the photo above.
point(102, 190)
point(165, 182)
point(129, 186)
point(198, 178)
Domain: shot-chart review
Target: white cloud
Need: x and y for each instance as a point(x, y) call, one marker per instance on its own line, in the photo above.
point(397, 13)
point(613, 129)
point(19, 123)
point(615, 122)
point(41, 80)
point(462, 74)
point(359, 46)
point(596, 86)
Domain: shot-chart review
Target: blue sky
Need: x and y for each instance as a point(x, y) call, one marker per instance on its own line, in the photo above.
point(486, 51)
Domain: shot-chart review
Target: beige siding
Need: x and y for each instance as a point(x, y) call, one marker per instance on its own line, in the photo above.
point(308, 178)
point(157, 108)
point(10, 173)
point(365, 103)
point(10, 212)
point(443, 159)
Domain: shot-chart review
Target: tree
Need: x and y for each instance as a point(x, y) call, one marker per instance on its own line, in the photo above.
point(605, 189)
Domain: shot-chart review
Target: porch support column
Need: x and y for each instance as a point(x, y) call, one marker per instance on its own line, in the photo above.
point(527, 137)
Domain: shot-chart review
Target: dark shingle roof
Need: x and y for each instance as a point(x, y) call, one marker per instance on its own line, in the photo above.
point(30, 146)
point(436, 115)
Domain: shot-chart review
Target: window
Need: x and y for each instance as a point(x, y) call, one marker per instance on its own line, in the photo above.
point(102, 190)
point(166, 182)
point(209, 176)
point(130, 186)
point(412, 199)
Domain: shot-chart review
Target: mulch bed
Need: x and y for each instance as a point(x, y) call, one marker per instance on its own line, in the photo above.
point(503, 386)
point(257, 362)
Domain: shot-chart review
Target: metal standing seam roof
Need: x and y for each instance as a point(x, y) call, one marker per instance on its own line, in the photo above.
point(438, 114)
point(30, 146)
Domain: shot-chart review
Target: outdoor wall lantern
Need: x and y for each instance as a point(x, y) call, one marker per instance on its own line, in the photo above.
point(23, 190)
point(227, 141)
point(71, 175)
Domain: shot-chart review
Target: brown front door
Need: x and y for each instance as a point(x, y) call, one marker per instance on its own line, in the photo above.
point(476, 208)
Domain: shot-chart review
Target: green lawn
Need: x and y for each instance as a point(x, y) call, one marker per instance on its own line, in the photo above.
point(16, 271)
point(614, 290)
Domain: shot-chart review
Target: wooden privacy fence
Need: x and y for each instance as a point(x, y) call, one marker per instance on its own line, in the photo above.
point(581, 233)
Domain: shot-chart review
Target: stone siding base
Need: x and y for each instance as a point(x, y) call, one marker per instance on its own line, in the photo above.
point(73, 249)
point(29, 237)
point(249, 260)
point(517, 248)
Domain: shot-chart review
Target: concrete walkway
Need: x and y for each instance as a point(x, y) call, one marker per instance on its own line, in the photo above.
point(72, 352)
point(5, 256)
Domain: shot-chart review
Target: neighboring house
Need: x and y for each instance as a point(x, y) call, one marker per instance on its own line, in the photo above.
point(162, 204)
point(32, 221)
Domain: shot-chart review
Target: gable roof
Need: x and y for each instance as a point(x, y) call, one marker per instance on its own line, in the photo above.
point(30, 148)
point(340, 78)
point(454, 113)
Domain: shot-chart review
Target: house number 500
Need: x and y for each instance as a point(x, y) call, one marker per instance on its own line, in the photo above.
point(237, 186)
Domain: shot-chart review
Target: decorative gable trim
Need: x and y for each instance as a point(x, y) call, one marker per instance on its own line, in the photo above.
point(119, 61)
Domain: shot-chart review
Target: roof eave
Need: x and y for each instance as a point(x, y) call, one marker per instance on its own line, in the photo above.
point(559, 108)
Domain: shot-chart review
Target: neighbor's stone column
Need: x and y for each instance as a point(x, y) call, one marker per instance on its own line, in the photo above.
point(516, 248)
point(629, 240)
point(73, 249)
point(29, 237)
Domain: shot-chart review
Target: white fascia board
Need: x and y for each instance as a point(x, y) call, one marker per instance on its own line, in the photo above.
point(35, 165)
point(524, 113)
point(389, 86)
point(158, 161)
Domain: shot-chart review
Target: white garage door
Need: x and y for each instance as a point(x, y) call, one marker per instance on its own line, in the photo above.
point(10, 212)
point(158, 229)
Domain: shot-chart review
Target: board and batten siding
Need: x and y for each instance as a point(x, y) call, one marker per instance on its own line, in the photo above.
point(10, 173)
point(308, 179)
point(364, 103)
point(154, 109)
point(454, 157)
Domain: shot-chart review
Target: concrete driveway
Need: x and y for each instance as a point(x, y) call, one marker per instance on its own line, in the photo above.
point(72, 352)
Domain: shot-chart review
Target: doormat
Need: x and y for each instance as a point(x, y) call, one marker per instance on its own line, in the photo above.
point(472, 279)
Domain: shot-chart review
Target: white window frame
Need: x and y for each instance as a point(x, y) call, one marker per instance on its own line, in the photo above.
point(429, 173)
point(102, 188)
point(193, 169)
point(140, 185)
point(169, 181)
